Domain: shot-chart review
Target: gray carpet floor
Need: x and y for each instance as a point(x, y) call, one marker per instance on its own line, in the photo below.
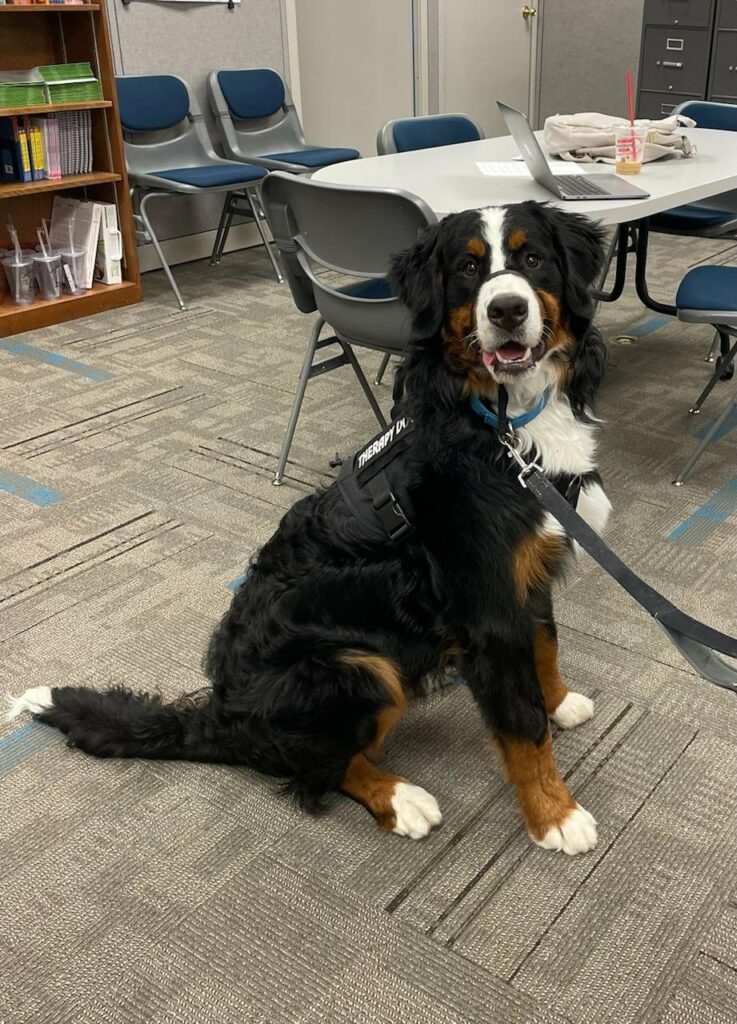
point(135, 482)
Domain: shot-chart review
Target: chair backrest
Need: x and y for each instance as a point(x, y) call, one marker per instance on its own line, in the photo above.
point(411, 133)
point(162, 123)
point(721, 116)
point(242, 100)
point(354, 231)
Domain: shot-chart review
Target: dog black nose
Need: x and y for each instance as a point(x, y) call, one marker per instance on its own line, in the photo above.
point(507, 311)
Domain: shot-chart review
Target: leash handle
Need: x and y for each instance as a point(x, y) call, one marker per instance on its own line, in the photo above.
point(696, 641)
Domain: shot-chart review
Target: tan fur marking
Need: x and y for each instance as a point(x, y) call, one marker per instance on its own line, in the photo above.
point(386, 672)
point(477, 246)
point(554, 689)
point(534, 562)
point(543, 795)
point(373, 788)
point(517, 239)
point(460, 355)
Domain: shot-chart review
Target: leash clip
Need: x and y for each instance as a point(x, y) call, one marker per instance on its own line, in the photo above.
point(509, 440)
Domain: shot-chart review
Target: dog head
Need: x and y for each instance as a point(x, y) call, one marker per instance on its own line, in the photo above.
point(507, 290)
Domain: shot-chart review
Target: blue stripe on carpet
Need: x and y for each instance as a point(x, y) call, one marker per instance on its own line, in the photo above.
point(648, 326)
point(29, 490)
point(41, 355)
point(729, 424)
point(717, 508)
point(23, 743)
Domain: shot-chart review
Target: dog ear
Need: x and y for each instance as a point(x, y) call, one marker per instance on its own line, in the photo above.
point(580, 245)
point(416, 276)
point(587, 372)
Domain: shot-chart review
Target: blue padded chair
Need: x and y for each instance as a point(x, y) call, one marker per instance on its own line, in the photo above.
point(168, 152)
point(408, 134)
point(258, 123)
point(708, 295)
point(708, 220)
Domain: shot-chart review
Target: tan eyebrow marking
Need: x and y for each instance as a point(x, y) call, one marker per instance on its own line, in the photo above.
point(477, 246)
point(517, 239)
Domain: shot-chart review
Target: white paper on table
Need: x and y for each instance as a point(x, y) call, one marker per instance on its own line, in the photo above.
point(518, 169)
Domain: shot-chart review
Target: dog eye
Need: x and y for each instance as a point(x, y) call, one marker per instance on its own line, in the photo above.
point(532, 260)
point(470, 267)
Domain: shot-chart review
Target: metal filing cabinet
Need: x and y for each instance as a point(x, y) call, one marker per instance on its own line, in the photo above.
point(689, 52)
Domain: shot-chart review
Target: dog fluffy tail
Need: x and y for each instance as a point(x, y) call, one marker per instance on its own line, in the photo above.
point(120, 723)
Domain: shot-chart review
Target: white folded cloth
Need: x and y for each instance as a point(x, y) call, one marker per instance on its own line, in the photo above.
point(589, 138)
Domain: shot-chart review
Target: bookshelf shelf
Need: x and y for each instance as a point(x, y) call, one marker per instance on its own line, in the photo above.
point(53, 108)
point(60, 40)
point(42, 8)
point(18, 189)
point(100, 297)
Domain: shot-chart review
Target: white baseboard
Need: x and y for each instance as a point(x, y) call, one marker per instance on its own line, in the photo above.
point(196, 247)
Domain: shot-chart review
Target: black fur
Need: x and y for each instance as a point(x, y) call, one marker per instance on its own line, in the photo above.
point(282, 701)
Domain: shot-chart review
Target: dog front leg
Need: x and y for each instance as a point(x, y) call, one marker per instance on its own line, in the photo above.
point(502, 675)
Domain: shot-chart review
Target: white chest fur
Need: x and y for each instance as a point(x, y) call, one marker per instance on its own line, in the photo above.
point(565, 445)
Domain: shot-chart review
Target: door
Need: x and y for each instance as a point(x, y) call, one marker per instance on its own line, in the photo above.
point(356, 66)
point(486, 52)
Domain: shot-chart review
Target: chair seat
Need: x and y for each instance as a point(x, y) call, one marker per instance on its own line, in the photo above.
point(315, 156)
point(690, 219)
point(373, 288)
point(709, 288)
point(213, 175)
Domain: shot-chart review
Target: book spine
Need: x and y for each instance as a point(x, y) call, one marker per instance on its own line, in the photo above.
point(25, 156)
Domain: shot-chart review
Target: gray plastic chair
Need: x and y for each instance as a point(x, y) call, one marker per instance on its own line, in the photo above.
point(352, 231)
point(183, 162)
point(408, 134)
point(258, 123)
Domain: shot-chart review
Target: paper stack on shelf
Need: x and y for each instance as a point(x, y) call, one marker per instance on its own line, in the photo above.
point(76, 224)
point(70, 83)
point(22, 88)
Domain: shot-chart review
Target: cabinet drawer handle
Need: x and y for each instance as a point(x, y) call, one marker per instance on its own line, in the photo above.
point(670, 63)
point(674, 44)
point(667, 108)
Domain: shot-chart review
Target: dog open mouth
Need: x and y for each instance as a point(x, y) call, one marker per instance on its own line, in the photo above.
point(512, 357)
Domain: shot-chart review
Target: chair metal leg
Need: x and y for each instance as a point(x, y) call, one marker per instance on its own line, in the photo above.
point(222, 231)
point(351, 355)
point(643, 294)
point(258, 218)
point(298, 399)
point(705, 441)
point(155, 242)
point(726, 361)
point(714, 348)
point(619, 247)
point(382, 369)
point(715, 377)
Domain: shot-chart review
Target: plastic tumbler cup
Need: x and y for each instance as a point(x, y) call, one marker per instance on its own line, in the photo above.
point(47, 271)
point(630, 147)
point(72, 265)
point(19, 272)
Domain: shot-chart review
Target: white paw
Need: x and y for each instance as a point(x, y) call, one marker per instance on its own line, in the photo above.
point(577, 834)
point(415, 809)
point(33, 701)
point(573, 710)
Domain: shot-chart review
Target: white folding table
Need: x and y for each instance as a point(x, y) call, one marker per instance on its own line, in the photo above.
point(448, 179)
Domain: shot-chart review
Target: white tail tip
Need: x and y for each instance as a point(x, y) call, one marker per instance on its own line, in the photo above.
point(34, 700)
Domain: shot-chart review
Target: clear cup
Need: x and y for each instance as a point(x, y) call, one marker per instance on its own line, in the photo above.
point(47, 272)
point(630, 148)
point(72, 265)
point(19, 272)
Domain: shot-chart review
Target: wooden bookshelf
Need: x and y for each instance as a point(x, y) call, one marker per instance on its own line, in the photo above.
point(64, 40)
point(53, 108)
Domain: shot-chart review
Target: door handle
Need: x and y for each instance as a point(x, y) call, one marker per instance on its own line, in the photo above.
point(528, 12)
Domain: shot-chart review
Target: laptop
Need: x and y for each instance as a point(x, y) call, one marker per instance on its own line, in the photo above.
point(564, 186)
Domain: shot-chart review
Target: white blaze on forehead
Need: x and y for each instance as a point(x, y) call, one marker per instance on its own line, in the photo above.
point(492, 226)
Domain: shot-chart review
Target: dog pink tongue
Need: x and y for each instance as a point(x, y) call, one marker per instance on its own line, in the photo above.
point(510, 352)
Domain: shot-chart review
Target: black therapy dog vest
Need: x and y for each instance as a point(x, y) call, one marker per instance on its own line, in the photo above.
point(371, 483)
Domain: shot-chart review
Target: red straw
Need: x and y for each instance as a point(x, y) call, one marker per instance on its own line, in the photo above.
point(630, 97)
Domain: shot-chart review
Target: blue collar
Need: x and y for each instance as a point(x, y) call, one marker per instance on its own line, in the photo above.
point(492, 420)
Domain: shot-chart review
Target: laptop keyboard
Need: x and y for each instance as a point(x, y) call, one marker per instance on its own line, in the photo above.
point(579, 185)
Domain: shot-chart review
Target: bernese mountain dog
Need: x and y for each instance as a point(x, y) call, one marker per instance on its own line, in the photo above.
point(352, 602)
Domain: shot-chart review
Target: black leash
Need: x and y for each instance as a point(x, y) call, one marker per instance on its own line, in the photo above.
point(696, 642)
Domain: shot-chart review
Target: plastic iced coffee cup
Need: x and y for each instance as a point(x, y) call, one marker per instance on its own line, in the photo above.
point(72, 270)
point(47, 272)
point(630, 147)
point(19, 272)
